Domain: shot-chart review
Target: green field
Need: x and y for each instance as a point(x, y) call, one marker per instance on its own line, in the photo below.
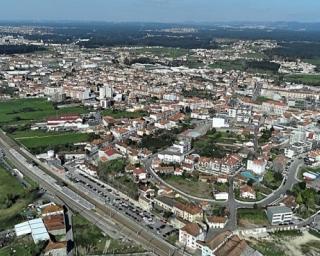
point(36, 139)
point(13, 199)
point(251, 217)
point(313, 80)
point(123, 114)
point(21, 111)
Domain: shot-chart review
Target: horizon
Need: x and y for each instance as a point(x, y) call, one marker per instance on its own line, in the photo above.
point(161, 11)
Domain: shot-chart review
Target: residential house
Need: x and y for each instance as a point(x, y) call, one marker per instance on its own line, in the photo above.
point(190, 234)
point(247, 192)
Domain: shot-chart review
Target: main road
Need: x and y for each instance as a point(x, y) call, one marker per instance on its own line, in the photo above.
point(102, 216)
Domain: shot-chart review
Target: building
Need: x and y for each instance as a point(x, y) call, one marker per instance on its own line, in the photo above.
point(54, 220)
point(219, 122)
point(172, 155)
point(257, 166)
point(216, 221)
point(34, 227)
point(247, 192)
point(66, 122)
point(189, 234)
point(227, 244)
point(56, 249)
point(279, 215)
point(189, 212)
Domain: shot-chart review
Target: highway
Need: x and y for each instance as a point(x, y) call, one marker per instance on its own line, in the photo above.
point(102, 216)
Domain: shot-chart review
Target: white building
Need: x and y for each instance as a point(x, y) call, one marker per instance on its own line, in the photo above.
point(219, 122)
point(257, 166)
point(279, 215)
point(189, 235)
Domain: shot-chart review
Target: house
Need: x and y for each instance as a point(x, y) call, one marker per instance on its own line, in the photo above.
point(279, 215)
point(53, 219)
point(187, 211)
point(247, 192)
point(230, 163)
point(108, 154)
point(189, 234)
point(56, 249)
point(257, 166)
point(216, 221)
point(209, 165)
point(227, 244)
point(139, 174)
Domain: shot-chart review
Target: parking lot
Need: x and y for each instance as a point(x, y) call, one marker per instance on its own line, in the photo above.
point(124, 205)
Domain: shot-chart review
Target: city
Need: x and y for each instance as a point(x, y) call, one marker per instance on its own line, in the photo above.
point(159, 139)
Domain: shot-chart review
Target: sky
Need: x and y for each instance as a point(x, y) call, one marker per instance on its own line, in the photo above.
point(161, 10)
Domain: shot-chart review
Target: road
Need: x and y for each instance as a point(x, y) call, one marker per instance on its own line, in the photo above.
point(233, 204)
point(101, 216)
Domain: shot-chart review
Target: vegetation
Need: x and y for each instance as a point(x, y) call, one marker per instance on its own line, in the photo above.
point(90, 240)
point(307, 198)
point(272, 179)
point(207, 145)
point(13, 199)
point(23, 247)
point(249, 66)
point(313, 80)
point(25, 111)
point(266, 135)
point(251, 217)
point(123, 114)
point(158, 141)
point(41, 141)
point(190, 184)
point(15, 49)
point(168, 52)
point(113, 172)
point(311, 248)
point(296, 50)
point(202, 94)
point(267, 248)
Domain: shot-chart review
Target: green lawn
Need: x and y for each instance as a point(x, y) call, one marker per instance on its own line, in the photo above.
point(123, 114)
point(21, 111)
point(40, 139)
point(251, 217)
point(10, 213)
point(313, 80)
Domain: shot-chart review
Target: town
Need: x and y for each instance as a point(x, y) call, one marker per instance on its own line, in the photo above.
point(158, 150)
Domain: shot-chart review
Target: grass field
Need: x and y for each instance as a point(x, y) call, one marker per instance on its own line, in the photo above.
point(313, 80)
point(20, 111)
point(9, 185)
point(37, 139)
point(251, 217)
point(190, 186)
